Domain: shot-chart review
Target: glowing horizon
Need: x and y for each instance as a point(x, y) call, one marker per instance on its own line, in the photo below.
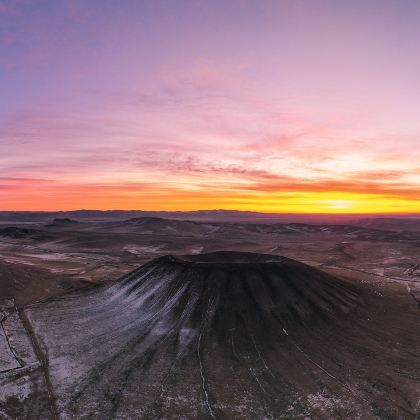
point(271, 106)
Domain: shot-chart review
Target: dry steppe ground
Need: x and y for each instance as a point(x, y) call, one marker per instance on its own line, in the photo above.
point(380, 257)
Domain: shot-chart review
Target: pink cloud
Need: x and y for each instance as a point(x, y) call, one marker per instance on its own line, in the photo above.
point(201, 76)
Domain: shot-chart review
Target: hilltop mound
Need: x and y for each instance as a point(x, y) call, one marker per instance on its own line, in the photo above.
point(61, 222)
point(221, 335)
point(19, 232)
point(159, 226)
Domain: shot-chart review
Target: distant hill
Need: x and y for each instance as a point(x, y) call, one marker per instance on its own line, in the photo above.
point(198, 215)
point(397, 224)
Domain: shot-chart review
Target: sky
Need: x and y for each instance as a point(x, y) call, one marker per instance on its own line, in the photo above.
point(274, 106)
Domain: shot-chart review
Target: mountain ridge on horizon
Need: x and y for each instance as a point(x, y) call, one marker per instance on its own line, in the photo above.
point(199, 215)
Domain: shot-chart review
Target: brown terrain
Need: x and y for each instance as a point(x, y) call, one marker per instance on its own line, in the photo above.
point(151, 317)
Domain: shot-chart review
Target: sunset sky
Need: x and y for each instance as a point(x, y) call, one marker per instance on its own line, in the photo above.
point(276, 106)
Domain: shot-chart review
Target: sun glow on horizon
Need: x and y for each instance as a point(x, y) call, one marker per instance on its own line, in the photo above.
point(340, 204)
point(119, 198)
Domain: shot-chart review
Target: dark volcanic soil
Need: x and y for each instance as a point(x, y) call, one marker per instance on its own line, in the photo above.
point(229, 335)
